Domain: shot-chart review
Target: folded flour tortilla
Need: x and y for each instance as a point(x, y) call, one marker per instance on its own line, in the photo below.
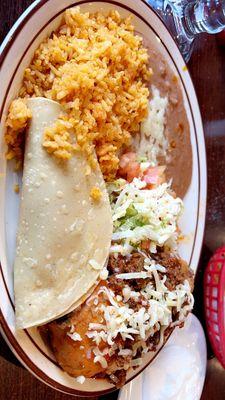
point(64, 236)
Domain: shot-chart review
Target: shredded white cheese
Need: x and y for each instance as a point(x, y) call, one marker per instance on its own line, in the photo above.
point(125, 352)
point(133, 275)
point(157, 313)
point(75, 336)
point(96, 327)
point(94, 264)
point(101, 360)
point(126, 293)
point(81, 379)
point(136, 362)
point(104, 274)
point(123, 249)
point(99, 356)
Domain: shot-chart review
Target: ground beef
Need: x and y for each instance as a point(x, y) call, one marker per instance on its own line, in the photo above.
point(135, 264)
point(118, 378)
point(153, 341)
point(121, 265)
point(115, 264)
point(116, 285)
point(177, 270)
point(136, 304)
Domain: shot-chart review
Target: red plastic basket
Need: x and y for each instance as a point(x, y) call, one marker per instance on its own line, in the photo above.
point(214, 299)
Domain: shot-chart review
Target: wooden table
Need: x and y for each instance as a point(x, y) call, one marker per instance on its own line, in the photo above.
point(207, 67)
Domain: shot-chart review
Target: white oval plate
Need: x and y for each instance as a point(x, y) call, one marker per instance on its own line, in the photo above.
point(33, 26)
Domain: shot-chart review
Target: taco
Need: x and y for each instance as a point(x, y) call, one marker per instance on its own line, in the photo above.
point(64, 234)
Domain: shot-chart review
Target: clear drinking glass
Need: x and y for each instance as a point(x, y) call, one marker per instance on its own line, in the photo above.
point(187, 18)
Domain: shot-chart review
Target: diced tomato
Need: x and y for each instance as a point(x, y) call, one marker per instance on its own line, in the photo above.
point(126, 159)
point(154, 176)
point(129, 167)
point(134, 171)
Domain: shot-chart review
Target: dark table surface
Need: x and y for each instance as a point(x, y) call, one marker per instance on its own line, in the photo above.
point(207, 67)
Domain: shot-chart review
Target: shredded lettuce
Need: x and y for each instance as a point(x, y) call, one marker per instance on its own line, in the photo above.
point(116, 186)
point(140, 213)
point(142, 159)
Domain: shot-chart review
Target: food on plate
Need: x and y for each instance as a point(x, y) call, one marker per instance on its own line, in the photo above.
point(107, 79)
point(107, 152)
point(131, 313)
point(148, 291)
point(97, 69)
